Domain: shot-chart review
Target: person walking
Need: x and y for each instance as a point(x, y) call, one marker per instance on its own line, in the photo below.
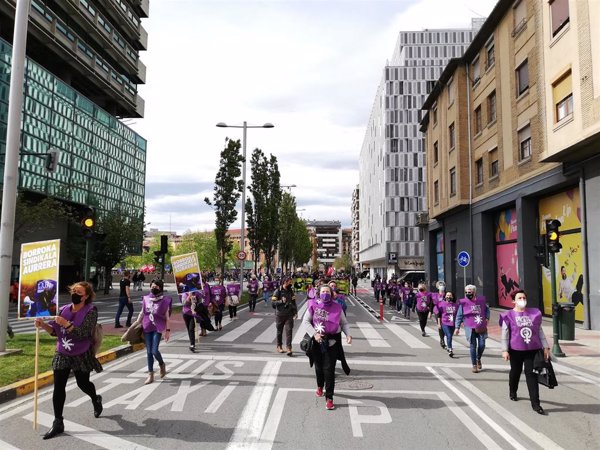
point(233, 299)
point(202, 310)
point(337, 296)
point(354, 283)
point(408, 299)
point(446, 316)
point(155, 316)
point(141, 279)
point(325, 321)
point(284, 302)
point(189, 302)
point(124, 300)
point(423, 305)
point(74, 328)
point(268, 288)
point(523, 337)
point(473, 311)
point(218, 293)
point(435, 298)
point(253, 293)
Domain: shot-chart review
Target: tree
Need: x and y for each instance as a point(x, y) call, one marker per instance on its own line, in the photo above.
point(34, 214)
point(343, 263)
point(303, 247)
point(287, 229)
point(117, 235)
point(252, 237)
point(227, 191)
point(205, 245)
point(266, 195)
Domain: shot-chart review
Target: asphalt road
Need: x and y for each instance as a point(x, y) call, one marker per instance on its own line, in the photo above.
point(236, 392)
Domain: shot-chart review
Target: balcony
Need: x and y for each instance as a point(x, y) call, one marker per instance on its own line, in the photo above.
point(142, 7)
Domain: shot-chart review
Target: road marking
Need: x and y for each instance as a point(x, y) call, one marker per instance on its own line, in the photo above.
point(373, 337)
point(406, 337)
point(537, 437)
point(177, 401)
point(302, 328)
point(349, 300)
point(112, 383)
point(6, 446)
point(250, 425)
point(221, 398)
point(268, 336)
point(133, 399)
point(87, 434)
point(239, 331)
point(482, 437)
point(356, 419)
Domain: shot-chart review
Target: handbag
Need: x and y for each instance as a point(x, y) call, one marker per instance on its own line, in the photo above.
point(306, 343)
point(134, 334)
point(481, 330)
point(545, 371)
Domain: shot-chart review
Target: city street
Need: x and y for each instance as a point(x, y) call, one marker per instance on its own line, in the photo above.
point(237, 392)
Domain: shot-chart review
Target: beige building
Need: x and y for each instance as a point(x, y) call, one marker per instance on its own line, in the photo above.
point(512, 140)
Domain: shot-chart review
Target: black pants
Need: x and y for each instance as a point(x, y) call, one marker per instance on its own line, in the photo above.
point(60, 382)
point(190, 325)
point(252, 302)
point(325, 368)
point(288, 323)
point(232, 311)
point(218, 317)
point(422, 319)
point(518, 359)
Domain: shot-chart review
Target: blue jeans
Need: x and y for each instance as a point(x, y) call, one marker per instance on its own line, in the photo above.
point(448, 332)
point(152, 340)
point(477, 347)
point(122, 304)
point(267, 296)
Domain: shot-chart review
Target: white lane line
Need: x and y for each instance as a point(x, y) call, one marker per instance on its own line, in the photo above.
point(6, 446)
point(405, 336)
point(373, 337)
point(302, 328)
point(539, 438)
point(488, 420)
point(90, 435)
point(268, 336)
point(221, 398)
point(239, 331)
point(250, 425)
point(349, 300)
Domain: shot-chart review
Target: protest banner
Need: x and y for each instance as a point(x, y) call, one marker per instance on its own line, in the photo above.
point(186, 269)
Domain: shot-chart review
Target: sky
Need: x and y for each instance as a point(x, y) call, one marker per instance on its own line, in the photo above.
point(310, 67)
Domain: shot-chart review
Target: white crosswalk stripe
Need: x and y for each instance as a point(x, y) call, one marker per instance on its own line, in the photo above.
point(373, 337)
point(406, 337)
point(239, 331)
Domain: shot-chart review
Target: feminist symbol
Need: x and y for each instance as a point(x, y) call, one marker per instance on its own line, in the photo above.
point(526, 334)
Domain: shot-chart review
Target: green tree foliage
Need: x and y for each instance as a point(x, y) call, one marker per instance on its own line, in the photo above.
point(118, 234)
point(266, 195)
point(205, 245)
point(227, 191)
point(251, 233)
point(287, 226)
point(303, 248)
point(343, 263)
point(33, 215)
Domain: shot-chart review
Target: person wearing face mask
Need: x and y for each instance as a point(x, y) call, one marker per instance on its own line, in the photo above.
point(284, 302)
point(446, 314)
point(252, 292)
point(218, 294)
point(423, 306)
point(473, 311)
point(435, 298)
point(522, 338)
point(337, 297)
point(74, 328)
point(155, 317)
point(268, 289)
point(325, 321)
point(408, 299)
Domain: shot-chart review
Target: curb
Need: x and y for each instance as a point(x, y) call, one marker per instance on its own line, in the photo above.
point(26, 386)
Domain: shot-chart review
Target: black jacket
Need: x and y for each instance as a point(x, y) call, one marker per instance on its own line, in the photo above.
point(284, 302)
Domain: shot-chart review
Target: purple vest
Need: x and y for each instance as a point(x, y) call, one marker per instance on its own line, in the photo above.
point(155, 313)
point(423, 301)
point(326, 316)
point(186, 300)
point(311, 293)
point(233, 289)
point(67, 344)
point(206, 295)
point(218, 293)
point(252, 286)
point(268, 286)
point(474, 312)
point(448, 310)
point(524, 328)
point(377, 286)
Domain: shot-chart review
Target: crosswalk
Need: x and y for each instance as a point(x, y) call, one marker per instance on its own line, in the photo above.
point(26, 325)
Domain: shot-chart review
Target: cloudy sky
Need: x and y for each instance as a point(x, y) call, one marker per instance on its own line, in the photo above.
point(310, 67)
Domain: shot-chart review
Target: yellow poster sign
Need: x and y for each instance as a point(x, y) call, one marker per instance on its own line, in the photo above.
point(187, 272)
point(38, 279)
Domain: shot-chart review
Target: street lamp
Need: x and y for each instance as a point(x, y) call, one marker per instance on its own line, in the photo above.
point(244, 127)
point(289, 186)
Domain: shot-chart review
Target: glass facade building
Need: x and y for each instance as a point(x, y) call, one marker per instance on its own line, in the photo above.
point(102, 161)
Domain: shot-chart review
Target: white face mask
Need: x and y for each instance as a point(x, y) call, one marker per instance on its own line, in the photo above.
point(521, 303)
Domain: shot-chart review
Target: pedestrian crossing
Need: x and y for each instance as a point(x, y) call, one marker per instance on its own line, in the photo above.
point(26, 325)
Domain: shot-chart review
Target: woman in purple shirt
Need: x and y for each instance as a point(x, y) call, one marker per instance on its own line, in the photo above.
point(522, 338)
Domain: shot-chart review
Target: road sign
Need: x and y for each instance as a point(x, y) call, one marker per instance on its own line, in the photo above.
point(241, 255)
point(463, 259)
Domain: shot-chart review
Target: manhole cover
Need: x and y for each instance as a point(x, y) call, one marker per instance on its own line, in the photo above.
point(356, 385)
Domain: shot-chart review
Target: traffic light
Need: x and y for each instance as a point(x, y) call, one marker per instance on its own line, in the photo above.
point(553, 236)
point(52, 158)
point(541, 254)
point(164, 244)
point(88, 222)
point(159, 257)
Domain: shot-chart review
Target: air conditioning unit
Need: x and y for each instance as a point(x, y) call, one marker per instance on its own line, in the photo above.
point(422, 218)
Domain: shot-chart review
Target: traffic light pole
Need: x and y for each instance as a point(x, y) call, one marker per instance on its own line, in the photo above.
point(556, 350)
point(88, 259)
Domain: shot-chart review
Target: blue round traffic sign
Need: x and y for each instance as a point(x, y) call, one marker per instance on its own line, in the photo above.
point(463, 259)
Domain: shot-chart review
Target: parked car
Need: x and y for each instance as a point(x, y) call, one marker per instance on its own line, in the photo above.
point(414, 277)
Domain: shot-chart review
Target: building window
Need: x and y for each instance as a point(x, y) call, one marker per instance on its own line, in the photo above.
point(522, 78)
point(436, 192)
point(477, 120)
point(519, 16)
point(451, 136)
point(435, 153)
point(559, 12)
point(525, 143)
point(450, 92)
point(494, 172)
point(479, 171)
point(435, 116)
point(491, 103)
point(562, 95)
point(476, 71)
point(490, 55)
point(453, 181)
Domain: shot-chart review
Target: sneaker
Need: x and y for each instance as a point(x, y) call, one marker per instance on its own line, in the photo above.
point(423, 334)
point(192, 349)
point(319, 392)
point(443, 345)
point(474, 369)
point(451, 354)
point(329, 404)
